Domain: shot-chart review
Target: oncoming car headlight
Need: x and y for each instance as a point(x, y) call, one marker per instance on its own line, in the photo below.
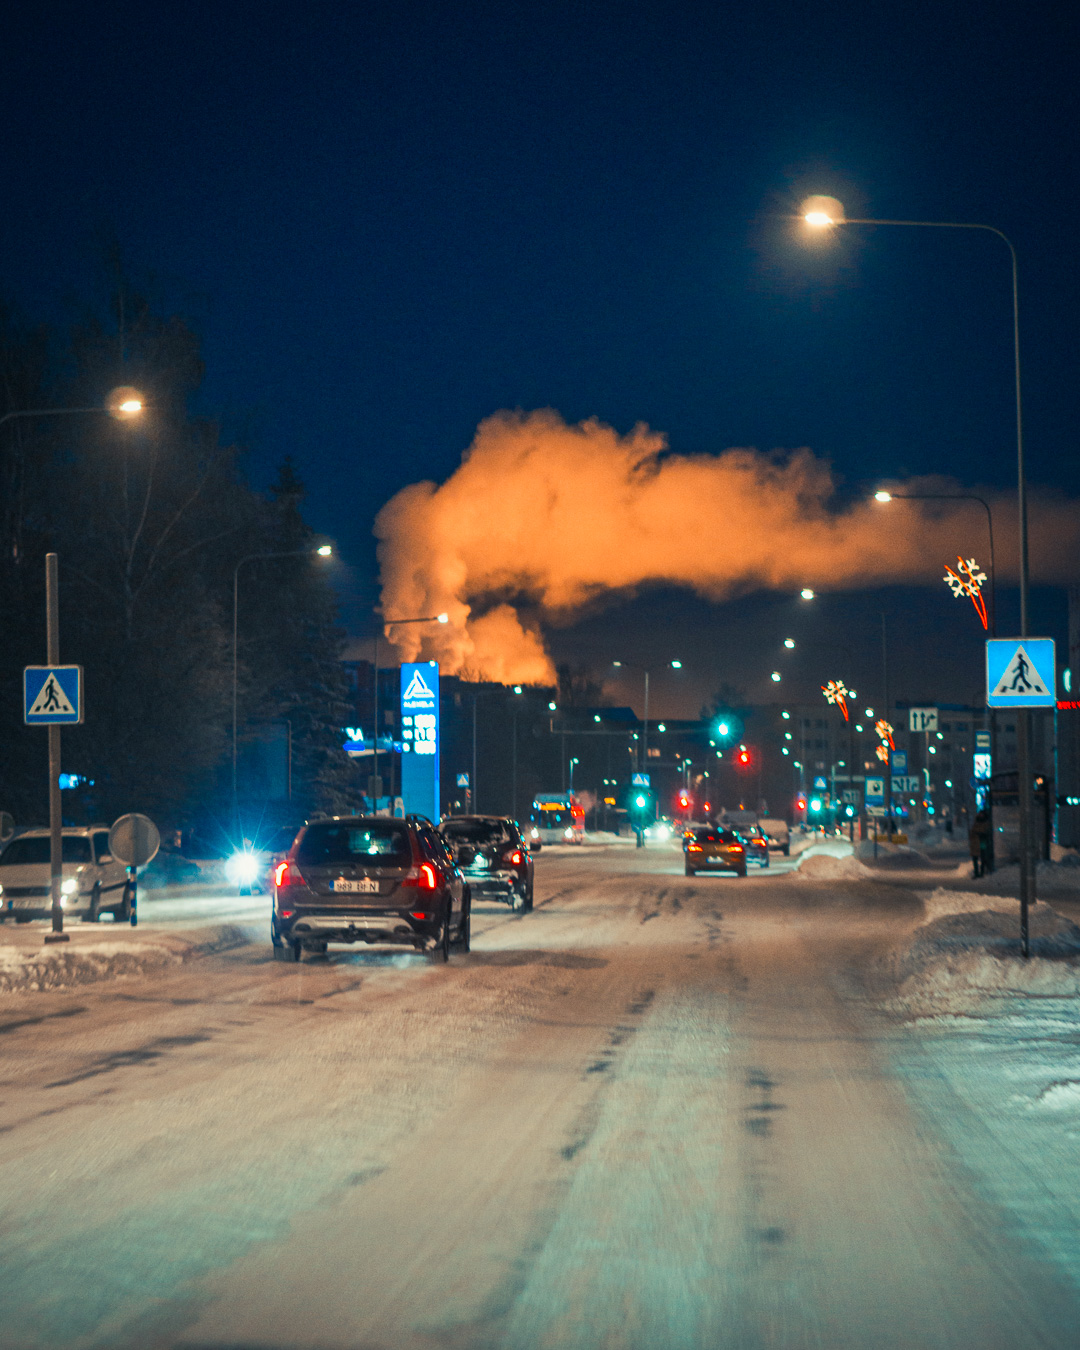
point(568, 833)
point(242, 868)
point(70, 886)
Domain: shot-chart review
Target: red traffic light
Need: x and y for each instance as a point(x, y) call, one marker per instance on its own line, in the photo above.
point(743, 757)
point(800, 803)
point(684, 800)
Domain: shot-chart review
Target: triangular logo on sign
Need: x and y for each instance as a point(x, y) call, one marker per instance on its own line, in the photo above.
point(1020, 677)
point(52, 699)
point(417, 688)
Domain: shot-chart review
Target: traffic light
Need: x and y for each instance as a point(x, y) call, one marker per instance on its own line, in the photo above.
point(744, 758)
point(684, 800)
point(800, 802)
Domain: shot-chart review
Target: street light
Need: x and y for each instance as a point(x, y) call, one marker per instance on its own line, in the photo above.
point(806, 593)
point(883, 496)
point(573, 761)
point(826, 213)
point(644, 753)
point(323, 551)
point(129, 404)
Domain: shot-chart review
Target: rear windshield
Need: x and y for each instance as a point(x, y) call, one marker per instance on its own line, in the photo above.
point(474, 831)
point(382, 842)
point(715, 836)
point(35, 849)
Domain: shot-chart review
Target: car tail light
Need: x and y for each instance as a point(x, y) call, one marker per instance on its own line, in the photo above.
point(694, 848)
point(736, 848)
point(287, 874)
point(422, 877)
point(514, 858)
point(286, 913)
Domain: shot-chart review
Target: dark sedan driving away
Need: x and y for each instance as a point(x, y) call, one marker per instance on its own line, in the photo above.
point(369, 879)
point(493, 856)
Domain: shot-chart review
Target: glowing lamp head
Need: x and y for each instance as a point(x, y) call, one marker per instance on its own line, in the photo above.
point(723, 729)
point(325, 550)
point(789, 643)
point(442, 618)
point(820, 212)
point(125, 402)
point(883, 496)
point(676, 665)
point(807, 593)
point(775, 677)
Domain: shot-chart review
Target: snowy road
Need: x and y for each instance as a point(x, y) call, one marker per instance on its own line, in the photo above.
point(656, 1112)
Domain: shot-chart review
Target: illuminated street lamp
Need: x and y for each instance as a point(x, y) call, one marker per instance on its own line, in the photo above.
point(122, 403)
point(884, 496)
point(322, 551)
point(621, 665)
point(821, 212)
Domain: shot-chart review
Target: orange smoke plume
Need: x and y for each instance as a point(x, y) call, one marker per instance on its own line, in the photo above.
point(543, 518)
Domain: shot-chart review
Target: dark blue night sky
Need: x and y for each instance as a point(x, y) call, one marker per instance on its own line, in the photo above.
point(391, 220)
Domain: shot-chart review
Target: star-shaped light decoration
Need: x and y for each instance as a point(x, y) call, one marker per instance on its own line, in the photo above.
point(968, 580)
point(885, 730)
point(882, 752)
point(836, 691)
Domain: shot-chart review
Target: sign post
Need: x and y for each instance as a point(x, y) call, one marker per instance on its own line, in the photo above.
point(1022, 673)
point(420, 739)
point(52, 696)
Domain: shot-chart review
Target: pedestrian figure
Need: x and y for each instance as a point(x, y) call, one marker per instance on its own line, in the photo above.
point(979, 843)
point(1020, 682)
point(52, 696)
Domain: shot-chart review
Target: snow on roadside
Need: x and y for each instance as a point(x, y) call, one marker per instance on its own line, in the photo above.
point(827, 867)
point(34, 969)
point(968, 951)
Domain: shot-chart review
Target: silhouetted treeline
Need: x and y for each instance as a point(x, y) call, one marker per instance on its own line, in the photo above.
point(150, 516)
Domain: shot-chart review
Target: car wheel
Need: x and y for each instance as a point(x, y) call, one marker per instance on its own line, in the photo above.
point(440, 953)
point(297, 949)
point(740, 872)
point(529, 898)
point(517, 899)
point(94, 912)
point(122, 913)
point(787, 850)
point(690, 871)
point(275, 937)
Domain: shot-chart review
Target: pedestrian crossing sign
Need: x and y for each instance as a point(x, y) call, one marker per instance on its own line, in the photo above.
point(52, 695)
point(1020, 673)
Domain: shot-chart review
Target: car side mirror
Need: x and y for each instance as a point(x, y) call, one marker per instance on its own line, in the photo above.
point(466, 854)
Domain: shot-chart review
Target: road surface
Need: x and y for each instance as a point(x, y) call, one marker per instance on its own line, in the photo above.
point(656, 1112)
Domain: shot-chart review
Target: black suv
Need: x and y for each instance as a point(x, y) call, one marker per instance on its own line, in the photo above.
point(494, 857)
point(369, 879)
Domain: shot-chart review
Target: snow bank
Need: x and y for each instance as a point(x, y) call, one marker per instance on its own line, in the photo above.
point(969, 951)
point(33, 968)
point(826, 867)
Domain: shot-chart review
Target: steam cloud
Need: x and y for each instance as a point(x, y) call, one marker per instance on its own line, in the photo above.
point(543, 519)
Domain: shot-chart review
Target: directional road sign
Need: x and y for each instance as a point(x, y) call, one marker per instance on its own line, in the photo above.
point(1020, 672)
point(982, 740)
point(906, 784)
point(922, 719)
point(52, 695)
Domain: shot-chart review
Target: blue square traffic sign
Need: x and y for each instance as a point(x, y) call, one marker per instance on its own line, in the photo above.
point(1020, 673)
point(52, 695)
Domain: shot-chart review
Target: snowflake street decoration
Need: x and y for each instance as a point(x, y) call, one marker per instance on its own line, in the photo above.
point(882, 752)
point(968, 580)
point(836, 691)
point(884, 730)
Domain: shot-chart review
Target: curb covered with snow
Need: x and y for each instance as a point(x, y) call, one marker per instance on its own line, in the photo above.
point(968, 950)
point(34, 967)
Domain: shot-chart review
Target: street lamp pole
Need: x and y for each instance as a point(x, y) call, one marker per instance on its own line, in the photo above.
point(956, 497)
point(323, 551)
point(828, 212)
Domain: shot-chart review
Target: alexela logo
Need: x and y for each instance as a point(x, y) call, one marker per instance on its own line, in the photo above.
point(417, 688)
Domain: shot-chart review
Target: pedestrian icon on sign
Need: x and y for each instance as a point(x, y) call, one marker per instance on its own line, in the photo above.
point(51, 699)
point(1020, 683)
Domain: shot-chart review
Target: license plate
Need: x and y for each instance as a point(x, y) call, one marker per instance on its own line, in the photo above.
point(364, 886)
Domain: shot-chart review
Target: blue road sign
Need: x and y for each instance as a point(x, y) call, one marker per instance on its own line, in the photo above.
point(463, 780)
point(1020, 673)
point(52, 695)
point(899, 761)
point(820, 784)
point(874, 789)
point(639, 780)
point(420, 739)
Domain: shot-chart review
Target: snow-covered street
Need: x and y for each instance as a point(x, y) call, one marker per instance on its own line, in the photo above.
point(655, 1112)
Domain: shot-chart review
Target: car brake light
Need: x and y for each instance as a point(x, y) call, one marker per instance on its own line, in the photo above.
point(422, 877)
point(694, 848)
point(286, 913)
point(736, 848)
point(514, 859)
point(287, 874)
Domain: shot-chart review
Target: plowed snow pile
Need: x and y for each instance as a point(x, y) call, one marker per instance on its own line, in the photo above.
point(824, 867)
point(969, 950)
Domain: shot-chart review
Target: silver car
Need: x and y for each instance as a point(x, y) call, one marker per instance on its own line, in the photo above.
point(94, 882)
